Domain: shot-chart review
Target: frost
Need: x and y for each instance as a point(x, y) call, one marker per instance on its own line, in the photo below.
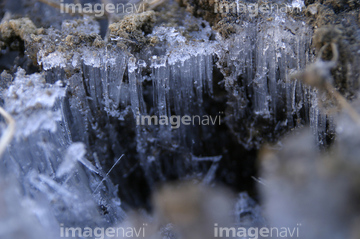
point(247, 212)
point(52, 60)
point(77, 119)
point(92, 58)
point(298, 4)
point(31, 101)
point(214, 159)
point(261, 57)
point(84, 26)
point(42, 154)
point(74, 153)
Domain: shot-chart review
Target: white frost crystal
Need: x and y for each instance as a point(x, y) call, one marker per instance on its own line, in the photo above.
point(30, 100)
point(36, 161)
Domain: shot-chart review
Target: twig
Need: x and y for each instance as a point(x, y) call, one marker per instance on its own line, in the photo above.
point(331, 89)
point(67, 9)
point(51, 3)
point(155, 3)
point(319, 75)
point(343, 102)
point(111, 19)
point(9, 131)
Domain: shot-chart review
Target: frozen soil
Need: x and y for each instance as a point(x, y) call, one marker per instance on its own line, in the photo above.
point(76, 87)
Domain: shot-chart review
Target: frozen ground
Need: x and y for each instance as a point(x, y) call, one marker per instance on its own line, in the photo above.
point(284, 153)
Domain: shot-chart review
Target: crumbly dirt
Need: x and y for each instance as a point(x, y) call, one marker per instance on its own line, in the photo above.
point(201, 8)
point(22, 28)
point(132, 29)
point(224, 23)
point(14, 32)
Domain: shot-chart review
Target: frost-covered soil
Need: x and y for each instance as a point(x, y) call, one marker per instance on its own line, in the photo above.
point(285, 86)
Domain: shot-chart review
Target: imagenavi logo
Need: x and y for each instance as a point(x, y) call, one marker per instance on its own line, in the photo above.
point(256, 232)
